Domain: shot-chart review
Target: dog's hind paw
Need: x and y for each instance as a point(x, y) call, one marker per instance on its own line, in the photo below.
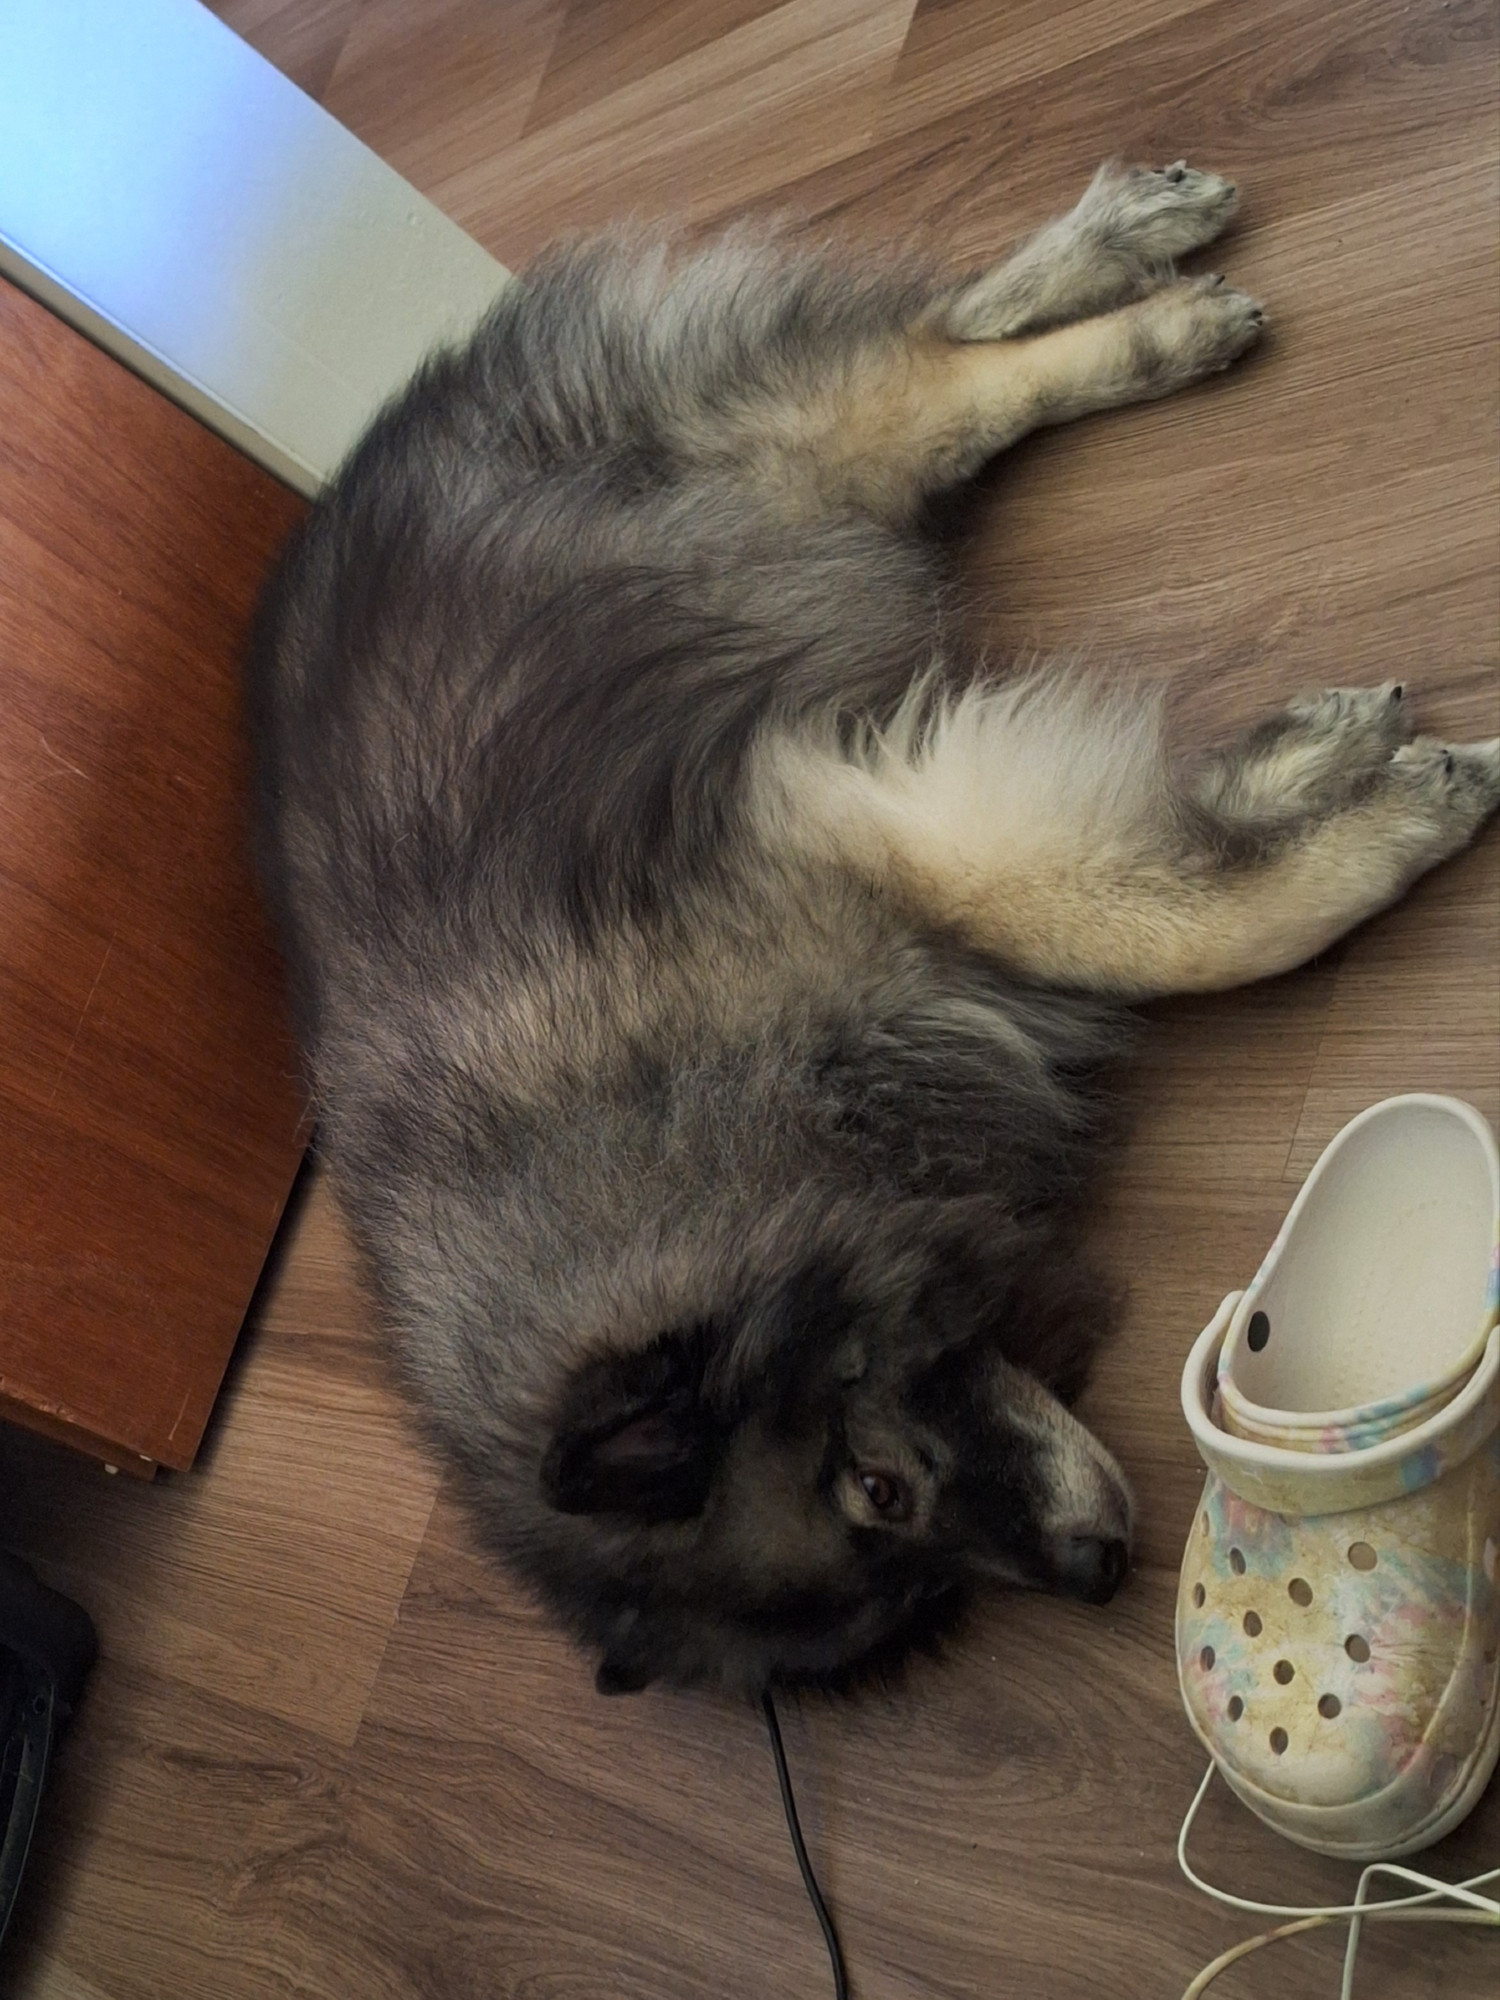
point(1363, 725)
point(1319, 754)
point(1457, 784)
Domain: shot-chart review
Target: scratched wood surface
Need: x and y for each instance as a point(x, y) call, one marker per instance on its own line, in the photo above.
point(330, 1751)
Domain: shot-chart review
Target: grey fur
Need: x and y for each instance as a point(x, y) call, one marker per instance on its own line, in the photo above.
point(698, 1175)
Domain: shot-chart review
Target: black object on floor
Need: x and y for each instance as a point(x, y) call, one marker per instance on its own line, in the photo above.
point(799, 1848)
point(47, 1646)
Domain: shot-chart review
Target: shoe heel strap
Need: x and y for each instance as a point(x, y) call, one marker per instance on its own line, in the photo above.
point(1300, 1482)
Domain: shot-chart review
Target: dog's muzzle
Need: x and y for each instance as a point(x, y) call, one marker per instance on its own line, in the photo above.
point(1088, 1532)
point(1092, 1567)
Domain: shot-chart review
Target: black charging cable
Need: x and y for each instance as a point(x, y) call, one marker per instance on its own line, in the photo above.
point(799, 1848)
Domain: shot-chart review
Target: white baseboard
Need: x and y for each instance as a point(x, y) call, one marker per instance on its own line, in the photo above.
point(171, 194)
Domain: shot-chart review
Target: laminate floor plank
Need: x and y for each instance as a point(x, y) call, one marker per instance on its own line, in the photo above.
point(601, 47)
point(272, 1574)
point(303, 38)
point(788, 90)
point(470, 74)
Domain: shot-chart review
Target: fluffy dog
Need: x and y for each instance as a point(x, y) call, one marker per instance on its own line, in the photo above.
point(710, 978)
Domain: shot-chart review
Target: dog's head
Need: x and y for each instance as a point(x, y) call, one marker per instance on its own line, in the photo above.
point(787, 1491)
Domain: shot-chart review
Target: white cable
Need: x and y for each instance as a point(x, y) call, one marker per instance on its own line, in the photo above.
point(1476, 1909)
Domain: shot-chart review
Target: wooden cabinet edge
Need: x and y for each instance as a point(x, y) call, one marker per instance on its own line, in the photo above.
point(58, 1428)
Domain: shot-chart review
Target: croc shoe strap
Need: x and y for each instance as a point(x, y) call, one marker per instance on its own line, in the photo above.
point(1301, 1482)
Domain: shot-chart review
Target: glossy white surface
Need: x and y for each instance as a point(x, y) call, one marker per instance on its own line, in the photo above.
point(170, 193)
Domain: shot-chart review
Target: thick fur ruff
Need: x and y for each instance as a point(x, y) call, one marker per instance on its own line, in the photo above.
point(709, 978)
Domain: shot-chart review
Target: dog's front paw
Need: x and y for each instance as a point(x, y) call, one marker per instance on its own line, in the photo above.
point(1163, 213)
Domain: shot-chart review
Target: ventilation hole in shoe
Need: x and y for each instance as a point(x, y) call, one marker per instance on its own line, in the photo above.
point(1283, 1670)
point(1362, 1555)
point(1299, 1590)
point(1278, 1740)
point(1199, 1593)
point(1259, 1333)
point(1252, 1624)
point(1237, 1562)
point(1206, 1658)
point(1329, 1706)
point(1235, 1708)
point(1357, 1648)
point(1203, 1524)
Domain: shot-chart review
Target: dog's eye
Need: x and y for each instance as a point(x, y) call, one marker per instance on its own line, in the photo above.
point(886, 1494)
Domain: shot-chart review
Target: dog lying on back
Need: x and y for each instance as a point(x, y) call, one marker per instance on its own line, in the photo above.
point(709, 978)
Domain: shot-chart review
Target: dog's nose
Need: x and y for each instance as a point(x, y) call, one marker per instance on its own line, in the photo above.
point(1092, 1567)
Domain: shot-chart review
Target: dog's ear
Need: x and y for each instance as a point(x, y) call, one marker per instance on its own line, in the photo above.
point(653, 1464)
point(635, 1436)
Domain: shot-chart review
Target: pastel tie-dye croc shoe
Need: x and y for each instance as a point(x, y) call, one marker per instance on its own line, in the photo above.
point(1369, 1309)
point(1338, 1617)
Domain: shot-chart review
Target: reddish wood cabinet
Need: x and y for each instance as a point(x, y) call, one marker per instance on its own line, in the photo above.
point(151, 1112)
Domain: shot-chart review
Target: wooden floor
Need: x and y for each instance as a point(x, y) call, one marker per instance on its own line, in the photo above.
point(329, 1752)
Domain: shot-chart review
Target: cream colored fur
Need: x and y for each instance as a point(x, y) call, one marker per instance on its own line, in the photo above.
point(1041, 819)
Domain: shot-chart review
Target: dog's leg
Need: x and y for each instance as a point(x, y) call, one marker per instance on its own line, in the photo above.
point(1117, 244)
point(951, 407)
point(933, 414)
point(838, 390)
point(1044, 823)
point(983, 396)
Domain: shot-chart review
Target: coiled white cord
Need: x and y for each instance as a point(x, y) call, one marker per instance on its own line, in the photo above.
point(1472, 1907)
